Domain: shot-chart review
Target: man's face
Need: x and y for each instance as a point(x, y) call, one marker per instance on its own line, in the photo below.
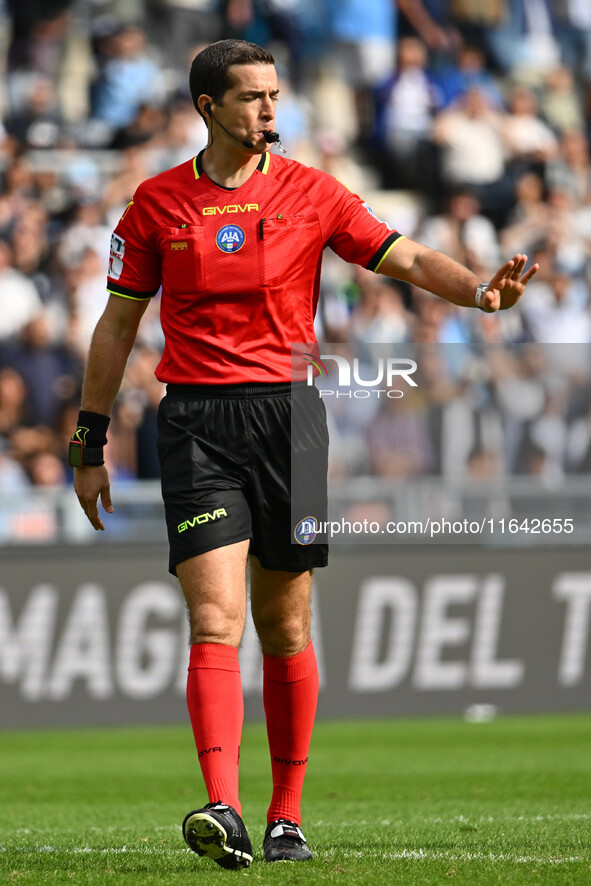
point(248, 107)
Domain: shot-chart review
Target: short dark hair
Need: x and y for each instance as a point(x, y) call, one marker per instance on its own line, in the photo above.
point(209, 71)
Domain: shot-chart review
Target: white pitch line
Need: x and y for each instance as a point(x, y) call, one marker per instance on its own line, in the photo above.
point(453, 820)
point(422, 855)
point(106, 850)
point(402, 855)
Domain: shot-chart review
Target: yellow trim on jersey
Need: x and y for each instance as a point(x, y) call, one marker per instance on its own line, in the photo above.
point(267, 163)
point(129, 297)
point(195, 170)
point(126, 210)
point(387, 252)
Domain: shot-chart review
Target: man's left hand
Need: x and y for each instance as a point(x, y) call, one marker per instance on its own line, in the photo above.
point(507, 286)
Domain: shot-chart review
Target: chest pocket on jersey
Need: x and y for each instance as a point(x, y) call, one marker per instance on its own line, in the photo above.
point(287, 248)
point(183, 261)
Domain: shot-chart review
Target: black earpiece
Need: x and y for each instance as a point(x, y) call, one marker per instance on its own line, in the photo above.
point(207, 109)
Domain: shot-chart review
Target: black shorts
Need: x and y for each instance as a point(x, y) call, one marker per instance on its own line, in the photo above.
point(228, 454)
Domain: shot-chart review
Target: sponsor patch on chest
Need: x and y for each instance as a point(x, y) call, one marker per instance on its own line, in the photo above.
point(230, 238)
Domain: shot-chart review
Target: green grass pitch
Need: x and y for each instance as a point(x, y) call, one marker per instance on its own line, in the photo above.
point(429, 801)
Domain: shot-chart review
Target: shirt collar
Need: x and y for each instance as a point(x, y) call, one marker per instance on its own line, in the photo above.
point(263, 166)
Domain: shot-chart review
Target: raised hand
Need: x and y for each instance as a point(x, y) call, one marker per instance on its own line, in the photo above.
point(508, 284)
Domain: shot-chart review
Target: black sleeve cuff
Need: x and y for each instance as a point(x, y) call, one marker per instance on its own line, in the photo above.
point(374, 263)
point(130, 293)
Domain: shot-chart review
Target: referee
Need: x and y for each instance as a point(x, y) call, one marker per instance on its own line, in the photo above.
point(234, 240)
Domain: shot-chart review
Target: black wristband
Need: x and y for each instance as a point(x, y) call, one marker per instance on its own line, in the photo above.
point(95, 425)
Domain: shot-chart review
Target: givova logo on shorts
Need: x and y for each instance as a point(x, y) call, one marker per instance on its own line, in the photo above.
point(230, 238)
point(207, 517)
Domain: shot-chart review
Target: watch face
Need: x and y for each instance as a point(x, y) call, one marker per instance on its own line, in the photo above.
point(75, 454)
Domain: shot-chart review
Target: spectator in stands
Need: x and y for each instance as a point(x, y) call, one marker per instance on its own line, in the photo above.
point(573, 32)
point(19, 189)
point(475, 20)
point(13, 477)
point(50, 371)
point(522, 42)
point(379, 314)
point(561, 102)
point(15, 410)
point(462, 232)
point(293, 119)
point(134, 167)
point(485, 464)
point(472, 152)
point(83, 229)
point(184, 135)
point(185, 23)
point(148, 125)
point(561, 320)
point(138, 410)
point(450, 416)
point(348, 420)
point(19, 299)
point(564, 235)
point(517, 391)
point(548, 437)
point(297, 28)
point(468, 71)
point(578, 447)
point(39, 28)
point(31, 249)
point(21, 433)
point(128, 77)
point(570, 171)
point(45, 469)
point(530, 142)
point(528, 221)
point(398, 439)
point(334, 156)
point(405, 107)
point(338, 293)
point(37, 121)
point(361, 43)
point(88, 297)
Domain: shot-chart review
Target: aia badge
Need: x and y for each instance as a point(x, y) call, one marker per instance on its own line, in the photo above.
point(306, 530)
point(230, 238)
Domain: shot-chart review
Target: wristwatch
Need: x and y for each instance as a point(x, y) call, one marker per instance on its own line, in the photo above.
point(480, 290)
point(81, 456)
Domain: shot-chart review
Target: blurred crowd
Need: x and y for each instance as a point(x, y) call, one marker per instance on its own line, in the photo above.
point(476, 415)
point(465, 125)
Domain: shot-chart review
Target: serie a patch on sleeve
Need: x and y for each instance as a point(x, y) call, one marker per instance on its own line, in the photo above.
point(116, 257)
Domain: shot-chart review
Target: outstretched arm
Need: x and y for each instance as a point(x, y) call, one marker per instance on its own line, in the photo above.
point(437, 273)
point(111, 344)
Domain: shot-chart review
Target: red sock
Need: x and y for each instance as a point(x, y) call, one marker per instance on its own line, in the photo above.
point(290, 696)
point(216, 709)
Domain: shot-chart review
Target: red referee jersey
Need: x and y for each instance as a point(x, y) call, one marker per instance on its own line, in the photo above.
point(239, 268)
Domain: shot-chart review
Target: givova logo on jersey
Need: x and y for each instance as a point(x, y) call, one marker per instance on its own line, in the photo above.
point(230, 238)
